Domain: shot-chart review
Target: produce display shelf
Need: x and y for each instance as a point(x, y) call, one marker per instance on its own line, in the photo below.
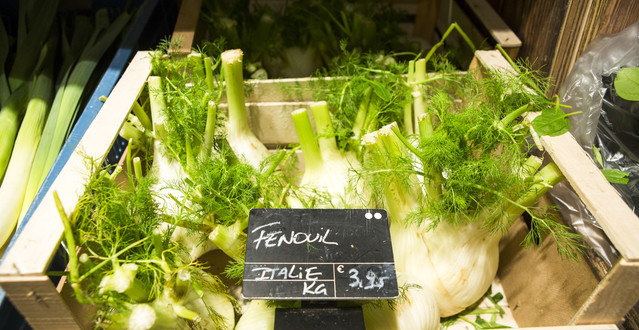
point(22, 273)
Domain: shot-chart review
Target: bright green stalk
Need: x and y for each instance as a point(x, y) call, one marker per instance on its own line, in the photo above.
point(408, 118)
point(137, 168)
point(14, 185)
point(308, 141)
point(408, 108)
point(208, 69)
point(129, 164)
point(325, 131)
point(403, 140)
point(543, 180)
point(450, 29)
point(139, 112)
point(73, 255)
point(362, 112)
point(530, 166)
point(209, 131)
point(232, 67)
point(10, 117)
point(38, 28)
point(513, 115)
point(420, 70)
point(131, 133)
point(157, 106)
point(424, 120)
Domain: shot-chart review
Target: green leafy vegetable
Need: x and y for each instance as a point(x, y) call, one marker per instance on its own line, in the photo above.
point(612, 175)
point(627, 83)
point(616, 176)
point(552, 121)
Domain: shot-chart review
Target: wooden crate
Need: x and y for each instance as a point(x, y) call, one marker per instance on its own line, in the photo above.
point(431, 18)
point(600, 305)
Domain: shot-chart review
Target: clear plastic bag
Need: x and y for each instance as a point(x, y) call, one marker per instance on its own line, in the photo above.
point(610, 125)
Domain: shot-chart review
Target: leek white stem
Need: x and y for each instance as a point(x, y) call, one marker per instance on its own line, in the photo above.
point(14, 185)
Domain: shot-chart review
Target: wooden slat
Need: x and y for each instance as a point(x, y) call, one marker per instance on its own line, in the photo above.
point(279, 90)
point(615, 295)
point(186, 24)
point(495, 25)
point(617, 220)
point(32, 251)
point(37, 295)
point(272, 123)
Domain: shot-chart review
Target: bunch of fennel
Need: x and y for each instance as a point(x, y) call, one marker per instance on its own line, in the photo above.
point(123, 262)
point(453, 188)
point(453, 174)
point(211, 171)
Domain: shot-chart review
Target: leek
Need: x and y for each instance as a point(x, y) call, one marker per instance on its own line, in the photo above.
point(32, 35)
point(10, 116)
point(67, 101)
point(14, 185)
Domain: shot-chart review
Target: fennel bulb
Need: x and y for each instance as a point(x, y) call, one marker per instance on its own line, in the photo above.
point(327, 170)
point(239, 135)
point(257, 315)
point(215, 307)
point(464, 261)
point(416, 308)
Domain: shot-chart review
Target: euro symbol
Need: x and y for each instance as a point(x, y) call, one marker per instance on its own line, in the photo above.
point(340, 268)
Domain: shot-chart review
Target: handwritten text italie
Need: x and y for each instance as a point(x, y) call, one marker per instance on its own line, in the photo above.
point(276, 238)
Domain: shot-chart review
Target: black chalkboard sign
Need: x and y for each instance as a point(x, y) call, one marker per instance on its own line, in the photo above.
point(319, 254)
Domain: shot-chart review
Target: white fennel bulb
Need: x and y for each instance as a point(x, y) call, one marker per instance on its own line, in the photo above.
point(142, 317)
point(327, 170)
point(415, 309)
point(223, 311)
point(257, 315)
point(465, 259)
